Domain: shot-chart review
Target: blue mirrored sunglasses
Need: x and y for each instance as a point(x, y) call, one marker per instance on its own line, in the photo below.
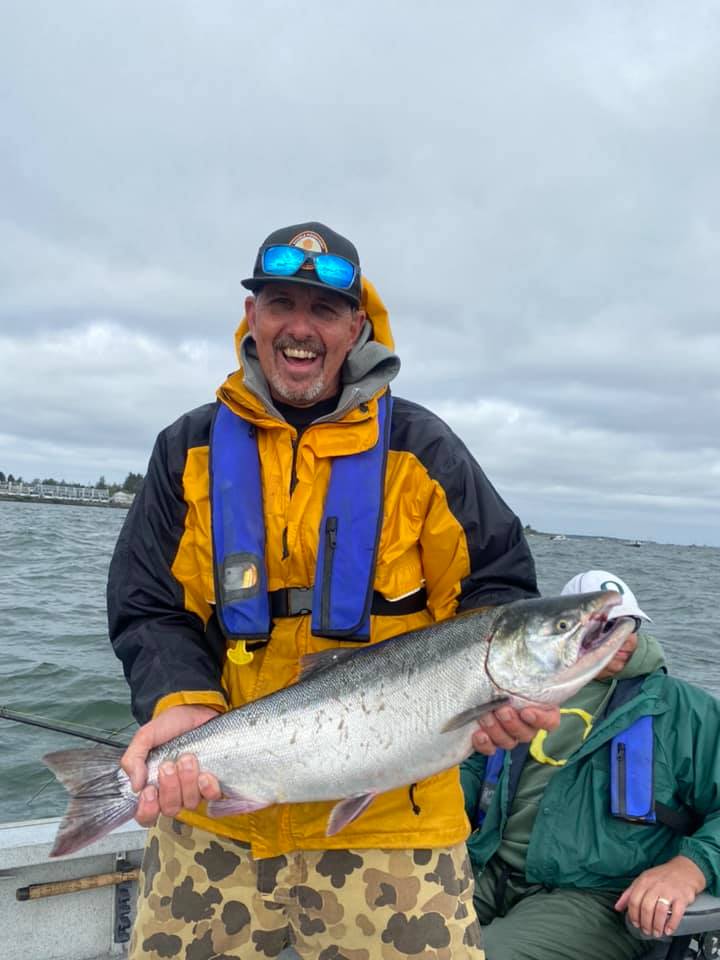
point(331, 269)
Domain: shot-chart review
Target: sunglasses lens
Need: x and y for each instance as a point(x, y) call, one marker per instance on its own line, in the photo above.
point(282, 261)
point(335, 271)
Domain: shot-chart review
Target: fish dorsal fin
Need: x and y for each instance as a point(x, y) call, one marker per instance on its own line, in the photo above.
point(473, 714)
point(348, 810)
point(313, 663)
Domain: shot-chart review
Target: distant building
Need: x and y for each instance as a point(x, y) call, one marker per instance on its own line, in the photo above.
point(52, 491)
point(122, 499)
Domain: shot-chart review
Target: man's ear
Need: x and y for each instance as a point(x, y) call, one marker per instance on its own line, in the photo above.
point(250, 313)
point(358, 322)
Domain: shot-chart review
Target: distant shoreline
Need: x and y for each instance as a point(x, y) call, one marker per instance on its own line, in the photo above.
point(527, 530)
point(66, 501)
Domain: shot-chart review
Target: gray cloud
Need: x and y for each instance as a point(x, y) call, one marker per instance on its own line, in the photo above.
point(534, 190)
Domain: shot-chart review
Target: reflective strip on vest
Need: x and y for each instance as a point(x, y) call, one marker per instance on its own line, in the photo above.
point(348, 538)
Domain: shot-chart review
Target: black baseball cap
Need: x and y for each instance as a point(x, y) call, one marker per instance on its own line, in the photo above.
point(315, 238)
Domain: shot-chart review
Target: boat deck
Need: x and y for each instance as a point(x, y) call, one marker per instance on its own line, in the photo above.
point(90, 924)
point(82, 925)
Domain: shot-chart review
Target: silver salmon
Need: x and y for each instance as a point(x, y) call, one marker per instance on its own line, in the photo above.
point(361, 721)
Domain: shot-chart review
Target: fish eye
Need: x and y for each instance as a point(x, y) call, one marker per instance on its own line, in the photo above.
point(562, 625)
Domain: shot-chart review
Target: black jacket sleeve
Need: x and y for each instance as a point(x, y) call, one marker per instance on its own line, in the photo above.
point(164, 648)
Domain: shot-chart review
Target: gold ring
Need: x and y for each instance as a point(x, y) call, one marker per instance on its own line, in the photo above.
point(663, 900)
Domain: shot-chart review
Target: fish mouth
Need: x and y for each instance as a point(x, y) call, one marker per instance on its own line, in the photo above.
point(595, 627)
point(601, 640)
point(598, 629)
point(598, 634)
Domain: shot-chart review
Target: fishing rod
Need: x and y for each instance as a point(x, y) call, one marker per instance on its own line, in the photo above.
point(6, 714)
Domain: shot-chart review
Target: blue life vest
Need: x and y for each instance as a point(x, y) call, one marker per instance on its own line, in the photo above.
point(342, 592)
point(631, 773)
point(493, 769)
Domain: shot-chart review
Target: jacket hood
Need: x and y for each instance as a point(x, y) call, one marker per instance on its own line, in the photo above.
point(648, 657)
point(368, 368)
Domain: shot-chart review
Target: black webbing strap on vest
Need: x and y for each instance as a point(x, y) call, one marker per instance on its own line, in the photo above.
point(296, 601)
point(518, 756)
point(624, 691)
point(683, 821)
point(501, 887)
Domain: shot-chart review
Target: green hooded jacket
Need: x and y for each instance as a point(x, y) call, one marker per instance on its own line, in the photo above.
point(573, 840)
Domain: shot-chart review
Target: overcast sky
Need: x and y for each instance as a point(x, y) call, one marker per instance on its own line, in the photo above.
point(533, 188)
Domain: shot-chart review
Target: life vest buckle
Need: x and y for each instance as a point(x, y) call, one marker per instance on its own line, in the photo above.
point(291, 602)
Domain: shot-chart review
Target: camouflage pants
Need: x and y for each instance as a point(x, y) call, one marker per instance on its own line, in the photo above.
point(203, 897)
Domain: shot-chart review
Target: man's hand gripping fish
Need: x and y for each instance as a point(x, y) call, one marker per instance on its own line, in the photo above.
point(365, 720)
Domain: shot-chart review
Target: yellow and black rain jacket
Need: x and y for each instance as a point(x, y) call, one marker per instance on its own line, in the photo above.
point(444, 528)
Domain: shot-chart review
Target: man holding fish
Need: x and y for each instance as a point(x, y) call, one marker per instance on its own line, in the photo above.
point(306, 511)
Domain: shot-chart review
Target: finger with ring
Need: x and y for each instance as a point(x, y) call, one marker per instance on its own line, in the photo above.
point(665, 901)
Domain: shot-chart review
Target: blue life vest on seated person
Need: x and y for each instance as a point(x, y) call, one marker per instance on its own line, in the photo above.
point(632, 795)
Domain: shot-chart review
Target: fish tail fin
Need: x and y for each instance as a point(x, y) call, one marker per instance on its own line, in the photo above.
point(100, 795)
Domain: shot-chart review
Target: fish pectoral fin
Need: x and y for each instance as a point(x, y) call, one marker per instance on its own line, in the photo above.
point(313, 663)
point(348, 810)
point(233, 802)
point(473, 713)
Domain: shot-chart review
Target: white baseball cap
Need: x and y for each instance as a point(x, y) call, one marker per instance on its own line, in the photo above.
point(593, 580)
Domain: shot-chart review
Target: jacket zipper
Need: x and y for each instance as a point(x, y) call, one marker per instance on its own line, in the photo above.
point(285, 551)
point(330, 544)
point(621, 774)
point(295, 443)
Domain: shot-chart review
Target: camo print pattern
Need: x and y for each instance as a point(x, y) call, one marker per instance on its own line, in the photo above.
point(203, 897)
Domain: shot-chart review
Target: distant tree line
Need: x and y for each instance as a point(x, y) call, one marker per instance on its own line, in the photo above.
point(131, 483)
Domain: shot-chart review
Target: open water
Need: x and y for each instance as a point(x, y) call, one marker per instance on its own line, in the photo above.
point(56, 661)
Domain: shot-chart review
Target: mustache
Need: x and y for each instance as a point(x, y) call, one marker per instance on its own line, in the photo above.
point(309, 343)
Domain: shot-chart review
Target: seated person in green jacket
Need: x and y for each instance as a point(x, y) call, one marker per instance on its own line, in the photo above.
point(617, 809)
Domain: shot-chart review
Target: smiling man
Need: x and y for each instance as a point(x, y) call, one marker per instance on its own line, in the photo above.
point(306, 509)
point(304, 328)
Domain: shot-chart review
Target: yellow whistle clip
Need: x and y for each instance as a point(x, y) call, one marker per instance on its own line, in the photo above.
point(239, 654)
point(536, 744)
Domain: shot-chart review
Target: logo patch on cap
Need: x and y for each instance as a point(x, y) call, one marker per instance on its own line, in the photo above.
point(310, 241)
point(612, 585)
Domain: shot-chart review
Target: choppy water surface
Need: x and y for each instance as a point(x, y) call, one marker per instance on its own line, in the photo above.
point(57, 662)
point(56, 659)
